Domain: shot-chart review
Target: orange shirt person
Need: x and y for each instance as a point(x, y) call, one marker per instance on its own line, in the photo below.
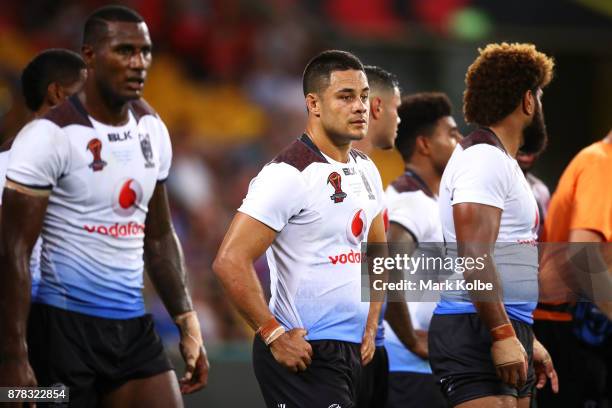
point(580, 211)
point(581, 208)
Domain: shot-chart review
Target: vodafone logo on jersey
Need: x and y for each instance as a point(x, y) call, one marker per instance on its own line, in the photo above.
point(127, 196)
point(357, 227)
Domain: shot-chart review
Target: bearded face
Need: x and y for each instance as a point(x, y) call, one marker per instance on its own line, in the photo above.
point(534, 134)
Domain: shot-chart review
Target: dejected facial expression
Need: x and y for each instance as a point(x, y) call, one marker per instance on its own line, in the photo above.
point(344, 106)
point(442, 142)
point(535, 136)
point(389, 120)
point(121, 59)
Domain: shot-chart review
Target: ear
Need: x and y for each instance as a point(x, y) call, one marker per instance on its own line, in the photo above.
point(375, 107)
point(422, 145)
point(55, 94)
point(313, 104)
point(88, 54)
point(528, 103)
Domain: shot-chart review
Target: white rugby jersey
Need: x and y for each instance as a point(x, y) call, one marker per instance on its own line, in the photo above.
point(102, 178)
point(35, 257)
point(322, 210)
point(414, 207)
point(481, 171)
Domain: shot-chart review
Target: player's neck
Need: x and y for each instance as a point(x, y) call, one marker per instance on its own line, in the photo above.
point(426, 171)
point(102, 109)
point(337, 152)
point(510, 134)
point(365, 145)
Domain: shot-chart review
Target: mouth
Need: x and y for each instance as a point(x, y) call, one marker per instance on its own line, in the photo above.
point(135, 84)
point(359, 122)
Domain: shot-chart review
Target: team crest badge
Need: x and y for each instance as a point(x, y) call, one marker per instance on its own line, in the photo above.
point(95, 147)
point(336, 181)
point(147, 151)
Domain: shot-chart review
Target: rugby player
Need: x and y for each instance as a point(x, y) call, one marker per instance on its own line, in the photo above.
point(309, 210)
point(385, 98)
point(91, 173)
point(48, 79)
point(426, 138)
point(481, 345)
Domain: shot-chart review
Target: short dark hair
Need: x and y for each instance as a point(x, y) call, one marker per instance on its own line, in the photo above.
point(318, 70)
point(95, 25)
point(53, 65)
point(499, 77)
point(419, 114)
point(379, 79)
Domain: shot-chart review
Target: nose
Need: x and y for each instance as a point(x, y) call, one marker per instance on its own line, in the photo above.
point(138, 61)
point(362, 105)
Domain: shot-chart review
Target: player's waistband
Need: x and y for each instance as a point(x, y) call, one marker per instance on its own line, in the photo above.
point(61, 302)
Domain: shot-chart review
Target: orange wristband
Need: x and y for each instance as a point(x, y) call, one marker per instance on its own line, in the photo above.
point(270, 331)
point(502, 332)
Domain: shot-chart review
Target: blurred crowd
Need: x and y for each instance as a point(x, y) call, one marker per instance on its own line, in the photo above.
point(226, 79)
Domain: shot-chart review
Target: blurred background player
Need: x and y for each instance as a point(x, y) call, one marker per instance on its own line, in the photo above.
point(91, 173)
point(540, 191)
point(385, 98)
point(310, 209)
point(481, 343)
point(426, 138)
point(48, 79)
point(580, 212)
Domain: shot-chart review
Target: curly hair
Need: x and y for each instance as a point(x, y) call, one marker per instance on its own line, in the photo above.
point(499, 77)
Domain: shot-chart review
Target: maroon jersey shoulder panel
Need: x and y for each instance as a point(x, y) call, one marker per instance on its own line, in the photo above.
point(6, 146)
point(406, 183)
point(357, 153)
point(69, 112)
point(141, 108)
point(300, 154)
point(482, 136)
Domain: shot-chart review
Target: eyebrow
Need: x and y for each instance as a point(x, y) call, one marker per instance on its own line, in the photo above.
point(367, 88)
point(133, 45)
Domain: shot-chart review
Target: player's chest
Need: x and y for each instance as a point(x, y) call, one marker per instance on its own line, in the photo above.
point(112, 165)
point(344, 198)
point(521, 209)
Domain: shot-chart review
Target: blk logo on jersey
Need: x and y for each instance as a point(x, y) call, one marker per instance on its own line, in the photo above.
point(336, 181)
point(147, 151)
point(127, 196)
point(120, 137)
point(95, 147)
point(356, 227)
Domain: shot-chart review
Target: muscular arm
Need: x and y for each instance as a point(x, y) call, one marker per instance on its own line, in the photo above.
point(165, 265)
point(477, 226)
point(22, 216)
point(376, 236)
point(397, 314)
point(163, 256)
point(245, 241)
